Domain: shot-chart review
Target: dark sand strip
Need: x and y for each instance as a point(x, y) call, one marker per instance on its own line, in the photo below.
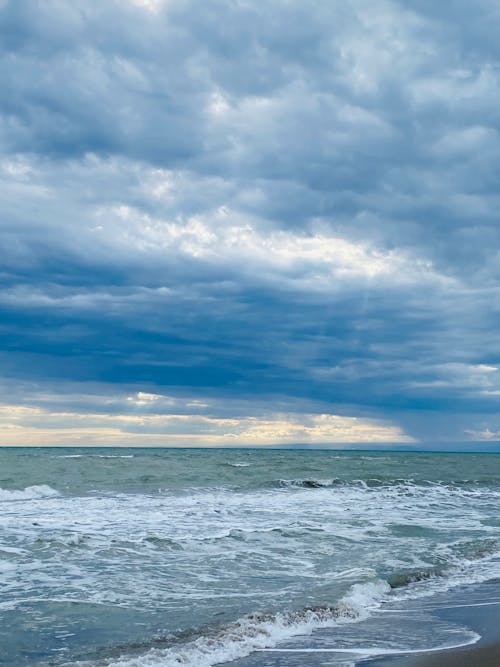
point(474, 656)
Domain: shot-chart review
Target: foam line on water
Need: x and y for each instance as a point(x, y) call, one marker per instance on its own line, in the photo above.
point(375, 651)
point(441, 606)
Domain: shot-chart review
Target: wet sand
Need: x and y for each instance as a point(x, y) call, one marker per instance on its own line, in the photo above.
point(480, 656)
point(483, 619)
point(474, 656)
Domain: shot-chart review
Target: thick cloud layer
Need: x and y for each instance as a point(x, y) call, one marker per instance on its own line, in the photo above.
point(281, 219)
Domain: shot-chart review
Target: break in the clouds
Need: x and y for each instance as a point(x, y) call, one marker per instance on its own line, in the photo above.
point(237, 222)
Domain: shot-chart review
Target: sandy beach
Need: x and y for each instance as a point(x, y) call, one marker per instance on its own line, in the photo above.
point(473, 656)
point(480, 656)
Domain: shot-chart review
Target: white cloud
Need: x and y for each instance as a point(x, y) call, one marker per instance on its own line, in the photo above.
point(459, 86)
point(318, 429)
point(25, 425)
point(460, 142)
point(313, 258)
point(482, 378)
point(153, 6)
point(148, 227)
point(483, 435)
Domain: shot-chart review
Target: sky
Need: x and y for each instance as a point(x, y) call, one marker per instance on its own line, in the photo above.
point(246, 223)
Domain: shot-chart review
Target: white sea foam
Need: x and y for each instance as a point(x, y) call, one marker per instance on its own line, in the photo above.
point(245, 550)
point(266, 632)
point(113, 456)
point(259, 631)
point(68, 456)
point(365, 597)
point(95, 456)
point(29, 493)
point(374, 651)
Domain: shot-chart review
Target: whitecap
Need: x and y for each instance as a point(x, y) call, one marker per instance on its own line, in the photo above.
point(29, 493)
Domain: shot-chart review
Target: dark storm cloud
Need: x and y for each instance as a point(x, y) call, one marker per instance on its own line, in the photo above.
point(238, 200)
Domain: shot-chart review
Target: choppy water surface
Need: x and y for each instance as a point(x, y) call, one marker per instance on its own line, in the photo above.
point(133, 557)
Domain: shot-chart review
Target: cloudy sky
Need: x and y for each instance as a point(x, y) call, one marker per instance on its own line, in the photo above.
point(238, 222)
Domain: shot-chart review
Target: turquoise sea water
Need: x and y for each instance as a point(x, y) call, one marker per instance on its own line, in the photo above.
point(135, 557)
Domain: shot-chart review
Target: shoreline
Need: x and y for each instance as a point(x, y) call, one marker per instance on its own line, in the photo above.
point(471, 608)
point(476, 655)
point(482, 618)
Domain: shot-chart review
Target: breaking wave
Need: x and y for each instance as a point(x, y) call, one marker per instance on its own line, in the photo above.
point(29, 493)
point(402, 578)
point(258, 631)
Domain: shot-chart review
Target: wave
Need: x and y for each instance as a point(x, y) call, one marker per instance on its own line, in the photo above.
point(466, 551)
point(466, 486)
point(368, 483)
point(112, 456)
point(163, 543)
point(29, 493)
point(401, 578)
point(313, 483)
point(306, 483)
point(95, 456)
point(68, 456)
point(258, 631)
point(61, 541)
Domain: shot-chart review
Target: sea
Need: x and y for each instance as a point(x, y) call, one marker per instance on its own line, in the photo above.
point(139, 557)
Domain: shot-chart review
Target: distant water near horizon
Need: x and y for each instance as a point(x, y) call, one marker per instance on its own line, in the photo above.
point(164, 557)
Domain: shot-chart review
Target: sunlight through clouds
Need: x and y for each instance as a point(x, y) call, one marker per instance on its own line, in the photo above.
point(303, 218)
point(24, 426)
